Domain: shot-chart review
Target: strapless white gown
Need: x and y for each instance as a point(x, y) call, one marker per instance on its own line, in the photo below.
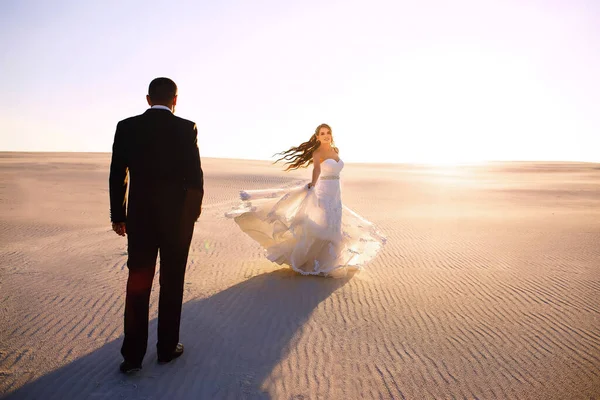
point(309, 229)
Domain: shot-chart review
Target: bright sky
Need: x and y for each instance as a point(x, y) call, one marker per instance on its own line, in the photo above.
point(398, 80)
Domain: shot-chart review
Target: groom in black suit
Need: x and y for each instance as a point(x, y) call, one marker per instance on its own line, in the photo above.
point(156, 153)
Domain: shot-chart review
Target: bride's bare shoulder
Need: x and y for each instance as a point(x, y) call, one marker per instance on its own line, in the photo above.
point(317, 157)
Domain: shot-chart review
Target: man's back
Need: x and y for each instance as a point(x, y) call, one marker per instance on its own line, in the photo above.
point(160, 152)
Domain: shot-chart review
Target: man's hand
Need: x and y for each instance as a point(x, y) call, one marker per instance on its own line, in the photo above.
point(119, 228)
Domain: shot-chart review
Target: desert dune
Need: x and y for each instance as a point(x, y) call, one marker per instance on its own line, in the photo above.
point(488, 288)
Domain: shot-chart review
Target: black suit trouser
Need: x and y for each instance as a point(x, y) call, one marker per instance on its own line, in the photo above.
point(146, 239)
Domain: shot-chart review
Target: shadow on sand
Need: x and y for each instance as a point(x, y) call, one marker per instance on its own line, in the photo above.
point(233, 340)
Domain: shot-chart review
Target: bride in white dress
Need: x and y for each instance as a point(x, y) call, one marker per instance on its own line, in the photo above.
point(307, 227)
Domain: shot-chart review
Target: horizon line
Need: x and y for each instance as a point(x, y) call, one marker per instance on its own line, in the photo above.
point(438, 163)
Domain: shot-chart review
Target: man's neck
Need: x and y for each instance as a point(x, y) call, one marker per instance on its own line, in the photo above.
point(161, 107)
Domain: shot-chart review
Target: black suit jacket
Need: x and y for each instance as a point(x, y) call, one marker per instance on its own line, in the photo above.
point(159, 152)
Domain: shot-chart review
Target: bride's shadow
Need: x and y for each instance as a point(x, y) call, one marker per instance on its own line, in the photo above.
point(233, 340)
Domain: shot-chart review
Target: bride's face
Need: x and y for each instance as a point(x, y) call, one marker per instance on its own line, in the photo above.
point(324, 135)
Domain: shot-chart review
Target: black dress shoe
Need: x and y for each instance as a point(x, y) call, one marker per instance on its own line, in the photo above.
point(127, 367)
point(174, 354)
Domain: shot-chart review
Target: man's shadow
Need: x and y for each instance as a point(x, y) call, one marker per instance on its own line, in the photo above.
point(233, 340)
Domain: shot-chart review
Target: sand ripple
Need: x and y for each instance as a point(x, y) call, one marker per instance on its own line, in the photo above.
point(487, 288)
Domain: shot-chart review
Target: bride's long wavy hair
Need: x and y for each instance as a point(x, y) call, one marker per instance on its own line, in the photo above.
point(302, 155)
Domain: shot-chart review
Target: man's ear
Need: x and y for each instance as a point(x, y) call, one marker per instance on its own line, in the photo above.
point(148, 100)
point(175, 100)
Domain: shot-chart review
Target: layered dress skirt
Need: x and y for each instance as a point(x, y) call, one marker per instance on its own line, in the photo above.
point(310, 230)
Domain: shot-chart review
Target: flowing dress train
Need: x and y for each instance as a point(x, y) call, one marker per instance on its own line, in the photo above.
point(309, 229)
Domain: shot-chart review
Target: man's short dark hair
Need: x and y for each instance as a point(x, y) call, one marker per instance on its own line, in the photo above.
point(162, 90)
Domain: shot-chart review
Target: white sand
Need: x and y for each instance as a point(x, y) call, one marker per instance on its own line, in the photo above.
point(489, 287)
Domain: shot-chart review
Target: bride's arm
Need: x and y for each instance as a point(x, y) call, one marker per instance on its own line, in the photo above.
point(316, 170)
